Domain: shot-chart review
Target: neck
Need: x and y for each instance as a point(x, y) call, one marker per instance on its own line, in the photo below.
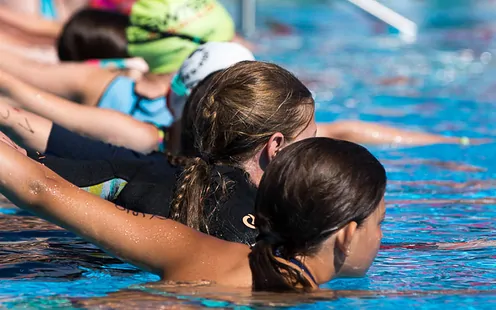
point(321, 269)
point(253, 169)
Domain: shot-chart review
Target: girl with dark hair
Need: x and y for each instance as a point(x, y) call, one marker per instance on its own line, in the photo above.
point(99, 38)
point(319, 212)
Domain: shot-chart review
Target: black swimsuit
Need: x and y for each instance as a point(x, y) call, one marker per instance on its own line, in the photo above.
point(146, 183)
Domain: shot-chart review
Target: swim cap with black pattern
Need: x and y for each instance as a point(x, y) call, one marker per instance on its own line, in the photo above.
point(203, 19)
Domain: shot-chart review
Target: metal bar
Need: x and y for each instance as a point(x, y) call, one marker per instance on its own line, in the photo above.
point(248, 16)
point(407, 28)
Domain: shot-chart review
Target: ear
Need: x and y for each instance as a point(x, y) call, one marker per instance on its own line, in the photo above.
point(274, 145)
point(344, 237)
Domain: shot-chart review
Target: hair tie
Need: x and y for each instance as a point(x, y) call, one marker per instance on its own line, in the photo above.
point(206, 159)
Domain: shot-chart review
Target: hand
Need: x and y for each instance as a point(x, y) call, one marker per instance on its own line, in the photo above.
point(137, 63)
point(134, 74)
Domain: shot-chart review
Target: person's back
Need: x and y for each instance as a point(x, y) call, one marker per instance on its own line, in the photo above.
point(230, 216)
point(148, 186)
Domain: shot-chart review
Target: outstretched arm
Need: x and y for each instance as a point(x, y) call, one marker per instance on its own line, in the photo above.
point(30, 26)
point(101, 124)
point(26, 129)
point(155, 244)
point(79, 81)
point(5, 139)
point(373, 133)
point(38, 134)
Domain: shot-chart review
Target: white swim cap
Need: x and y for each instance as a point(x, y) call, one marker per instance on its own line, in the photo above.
point(205, 60)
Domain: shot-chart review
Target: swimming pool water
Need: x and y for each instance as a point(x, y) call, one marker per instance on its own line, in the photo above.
point(357, 69)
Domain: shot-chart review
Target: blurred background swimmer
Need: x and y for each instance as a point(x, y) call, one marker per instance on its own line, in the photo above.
point(163, 43)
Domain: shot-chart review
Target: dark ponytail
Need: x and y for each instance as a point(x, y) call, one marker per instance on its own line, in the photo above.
point(311, 190)
point(277, 276)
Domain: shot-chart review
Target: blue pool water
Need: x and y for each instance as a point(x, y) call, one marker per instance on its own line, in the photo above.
point(358, 69)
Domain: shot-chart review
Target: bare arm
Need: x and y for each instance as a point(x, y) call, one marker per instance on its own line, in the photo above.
point(42, 54)
point(5, 139)
point(152, 243)
point(101, 124)
point(26, 129)
point(29, 25)
point(79, 81)
point(373, 133)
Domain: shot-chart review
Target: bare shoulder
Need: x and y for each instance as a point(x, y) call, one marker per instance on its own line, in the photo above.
point(96, 82)
point(215, 260)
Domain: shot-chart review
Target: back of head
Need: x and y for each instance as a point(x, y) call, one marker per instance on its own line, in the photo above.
point(243, 106)
point(322, 185)
point(93, 34)
point(232, 119)
point(166, 32)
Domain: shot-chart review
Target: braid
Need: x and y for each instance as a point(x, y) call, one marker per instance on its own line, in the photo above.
point(180, 191)
point(192, 186)
point(207, 139)
point(195, 183)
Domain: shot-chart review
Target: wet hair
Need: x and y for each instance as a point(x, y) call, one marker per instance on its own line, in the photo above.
point(321, 185)
point(93, 34)
point(235, 115)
